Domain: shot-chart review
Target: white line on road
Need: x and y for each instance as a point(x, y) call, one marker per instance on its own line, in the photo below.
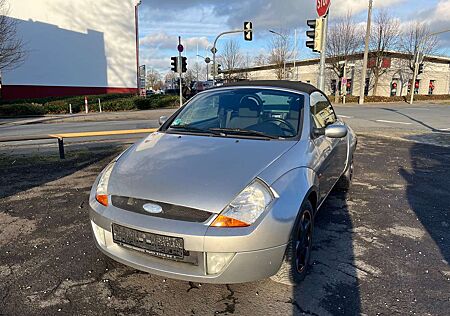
point(345, 116)
point(444, 129)
point(393, 122)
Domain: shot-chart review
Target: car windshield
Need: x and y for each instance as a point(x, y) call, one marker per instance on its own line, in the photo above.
point(249, 112)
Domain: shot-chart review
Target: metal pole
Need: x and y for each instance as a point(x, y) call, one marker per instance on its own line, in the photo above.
point(413, 83)
point(296, 54)
point(214, 49)
point(344, 89)
point(323, 53)
point(207, 72)
point(180, 73)
point(100, 105)
point(61, 148)
point(362, 87)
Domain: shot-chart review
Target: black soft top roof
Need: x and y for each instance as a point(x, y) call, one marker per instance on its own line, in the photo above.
point(293, 85)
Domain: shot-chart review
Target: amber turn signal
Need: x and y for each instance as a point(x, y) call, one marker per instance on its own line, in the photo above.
point(224, 221)
point(102, 199)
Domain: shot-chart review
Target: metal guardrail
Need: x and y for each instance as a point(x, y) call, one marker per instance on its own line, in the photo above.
point(60, 137)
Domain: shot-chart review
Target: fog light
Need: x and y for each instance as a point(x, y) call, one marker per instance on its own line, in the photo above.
point(216, 261)
point(99, 234)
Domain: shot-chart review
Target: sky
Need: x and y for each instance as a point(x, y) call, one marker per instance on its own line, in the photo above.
point(198, 22)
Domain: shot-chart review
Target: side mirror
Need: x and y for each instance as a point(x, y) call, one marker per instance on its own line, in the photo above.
point(162, 120)
point(332, 131)
point(336, 131)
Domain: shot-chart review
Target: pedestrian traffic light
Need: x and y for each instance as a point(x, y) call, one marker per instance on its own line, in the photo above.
point(174, 64)
point(219, 70)
point(183, 64)
point(420, 70)
point(315, 34)
point(248, 31)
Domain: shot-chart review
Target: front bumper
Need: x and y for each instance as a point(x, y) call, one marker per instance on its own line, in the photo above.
point(244, 266)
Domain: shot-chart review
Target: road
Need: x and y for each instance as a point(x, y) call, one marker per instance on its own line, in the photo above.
point(382, 249)
point(423, 117)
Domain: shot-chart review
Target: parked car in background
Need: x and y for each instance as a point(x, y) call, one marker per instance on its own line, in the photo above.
point(149, 92)
point(227, 189)
point(200, 86)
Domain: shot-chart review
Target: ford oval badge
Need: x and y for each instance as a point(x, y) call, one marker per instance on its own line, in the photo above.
point(152, 208)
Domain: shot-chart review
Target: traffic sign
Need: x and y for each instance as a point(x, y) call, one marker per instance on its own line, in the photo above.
point(180, 48)
point(214, 50)
point(207, 60)
point(322, 7)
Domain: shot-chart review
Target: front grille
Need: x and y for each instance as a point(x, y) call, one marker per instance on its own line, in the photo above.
point(169, 211)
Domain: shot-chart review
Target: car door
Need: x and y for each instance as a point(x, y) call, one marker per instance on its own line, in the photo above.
point(332, 152)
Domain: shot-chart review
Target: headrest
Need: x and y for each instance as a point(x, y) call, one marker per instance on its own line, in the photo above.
point(249, 107)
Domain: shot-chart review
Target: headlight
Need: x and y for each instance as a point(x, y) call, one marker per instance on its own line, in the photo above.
point(101, 194)
point(245, 209)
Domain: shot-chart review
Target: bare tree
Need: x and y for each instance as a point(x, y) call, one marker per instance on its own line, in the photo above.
point(12, 52)
point(384, 37)
point(281, 50)
point(260, 60)
point(344, 39)
point(153, 78)
point(189, 77)
point(198, 69)
point(418, 39)
point(231, 58)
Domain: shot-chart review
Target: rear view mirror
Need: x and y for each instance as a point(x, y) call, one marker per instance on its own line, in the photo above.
point(162, 120)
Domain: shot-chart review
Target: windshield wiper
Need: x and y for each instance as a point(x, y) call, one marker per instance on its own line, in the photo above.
point(188, 128)
point(240, 131)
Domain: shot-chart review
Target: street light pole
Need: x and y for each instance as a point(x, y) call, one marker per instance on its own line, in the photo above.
point(362, 87)
point(214, 51)
point(285, 43)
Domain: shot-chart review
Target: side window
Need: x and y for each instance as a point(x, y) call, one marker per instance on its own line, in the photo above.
point(206, 111)
point(321, 110)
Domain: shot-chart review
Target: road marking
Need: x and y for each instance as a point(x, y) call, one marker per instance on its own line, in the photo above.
point(345, 116)
point(393, 122)
point(444, 129)
point(419, 109)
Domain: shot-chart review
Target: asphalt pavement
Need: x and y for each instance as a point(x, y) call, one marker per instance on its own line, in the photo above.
point(382, 249)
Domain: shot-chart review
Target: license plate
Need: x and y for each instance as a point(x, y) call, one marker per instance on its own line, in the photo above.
point(154, 244)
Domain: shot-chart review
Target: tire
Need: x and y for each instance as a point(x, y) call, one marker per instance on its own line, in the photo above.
point(295, 263)
point(345, 181)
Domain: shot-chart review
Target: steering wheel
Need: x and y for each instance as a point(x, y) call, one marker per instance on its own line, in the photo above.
point(252, 96)
point(290, 128)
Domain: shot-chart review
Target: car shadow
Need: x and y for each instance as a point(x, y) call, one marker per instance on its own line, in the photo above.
point(428, 191)
point(21, 172)
point(331, 286)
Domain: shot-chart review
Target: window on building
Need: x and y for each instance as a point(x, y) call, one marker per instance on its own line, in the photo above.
point(321, 110)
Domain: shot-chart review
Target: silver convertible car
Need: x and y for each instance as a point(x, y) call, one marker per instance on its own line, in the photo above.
point(226, 190)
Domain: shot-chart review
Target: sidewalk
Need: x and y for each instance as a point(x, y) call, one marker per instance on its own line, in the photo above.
point(91, 117)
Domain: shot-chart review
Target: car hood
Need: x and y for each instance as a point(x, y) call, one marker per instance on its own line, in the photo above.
point(201, 172)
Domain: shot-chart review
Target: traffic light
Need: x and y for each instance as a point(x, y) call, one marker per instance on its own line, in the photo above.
point(174, 64)
point(248, 31)
point(183, 64)
point(216, 70)
point(420, 70)
point(315, 34)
